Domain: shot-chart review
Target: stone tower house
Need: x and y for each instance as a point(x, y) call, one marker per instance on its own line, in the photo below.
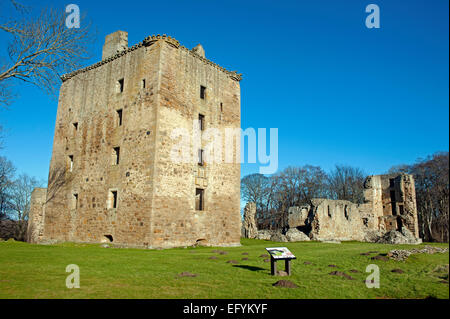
point(112, 174)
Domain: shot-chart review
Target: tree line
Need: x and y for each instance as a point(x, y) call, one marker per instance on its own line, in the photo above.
point(298, 185)
point(15, 195)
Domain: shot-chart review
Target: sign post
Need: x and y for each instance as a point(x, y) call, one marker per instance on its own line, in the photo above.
point(280, 253)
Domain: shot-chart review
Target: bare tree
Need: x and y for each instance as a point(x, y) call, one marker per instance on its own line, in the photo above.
point(7, 171)
point(41, 49)
point(347, 183)
point(254, 189)
point(19, 203)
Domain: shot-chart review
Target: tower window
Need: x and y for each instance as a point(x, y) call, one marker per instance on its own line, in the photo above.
point(112, 199)
point(75, 201)
point(200, 157)
point(75, 126)
point(202, 92)
point(201, 122)
point(116, 156)
point(391, 182)
point(70, 163)
point(120, 85)
point(119, 117)
point(199, 199)
point(143, 83)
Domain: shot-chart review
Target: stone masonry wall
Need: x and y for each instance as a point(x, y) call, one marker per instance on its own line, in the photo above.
point(160, 83)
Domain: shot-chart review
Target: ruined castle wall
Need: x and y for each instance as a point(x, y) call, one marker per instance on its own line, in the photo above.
point(35, 229)
point(337, 220)
point(176, 220)
point(92, 100)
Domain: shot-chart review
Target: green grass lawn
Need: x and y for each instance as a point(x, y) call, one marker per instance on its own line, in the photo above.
point(38, 271)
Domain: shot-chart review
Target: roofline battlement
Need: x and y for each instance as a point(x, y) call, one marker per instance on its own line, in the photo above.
point(147, 42)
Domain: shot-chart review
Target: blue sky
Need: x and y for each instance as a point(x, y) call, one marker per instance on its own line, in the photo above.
point(338, 92)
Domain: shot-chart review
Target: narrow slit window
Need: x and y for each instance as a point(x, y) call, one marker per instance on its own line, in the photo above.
point(70, 163)
point(119, 117)
point(116, 156)
point(120, 85)
point(143, 83)
point(75, 201)
point(200, 158)
point(199, 199)
point(75, 126)
point(201, 122)
point(113, 199)
point(202, 92)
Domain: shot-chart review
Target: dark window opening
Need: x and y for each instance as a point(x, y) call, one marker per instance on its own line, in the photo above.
point(70, 163)
point(329, 212)
point(109, 237)
point(400, 207)
point(116, 155)
point(399, 223)
point(75, 125)
point(394, 209)
point(113, 199)
point(346, 212)
point(119, 117)
point(366, 222)
point(221, 107)
point(200, 157)
point(199, 199)
point(75, 201)
point(391, 182)
point(202, 92)
point(392, 193)
point(120, 85)
point(143, 83)
point(201, 122)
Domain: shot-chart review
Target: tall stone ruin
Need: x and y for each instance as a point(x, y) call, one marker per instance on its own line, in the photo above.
point(113, 176)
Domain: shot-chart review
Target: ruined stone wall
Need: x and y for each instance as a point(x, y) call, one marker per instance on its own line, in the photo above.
point(389, 205)
point(160, 84)
point(35, 227)
point(336, 220)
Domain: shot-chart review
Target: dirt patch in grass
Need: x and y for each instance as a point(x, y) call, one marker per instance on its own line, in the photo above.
point(355, 271)
point(285, 284)
point(266, 260)
point(244, 253)
point(264, 255)
point(341, 274)
point(187, 274)
point(213, 257)
point(364, 254)
point(380, 257)
point(332, 266)
point(397, 271)
point(307, 263)
point(245, 258)
point(232, 261)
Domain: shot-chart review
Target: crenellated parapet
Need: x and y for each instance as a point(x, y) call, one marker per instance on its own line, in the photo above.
point(148, 41)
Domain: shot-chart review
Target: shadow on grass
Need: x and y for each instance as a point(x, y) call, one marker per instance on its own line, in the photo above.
point(252, 268)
